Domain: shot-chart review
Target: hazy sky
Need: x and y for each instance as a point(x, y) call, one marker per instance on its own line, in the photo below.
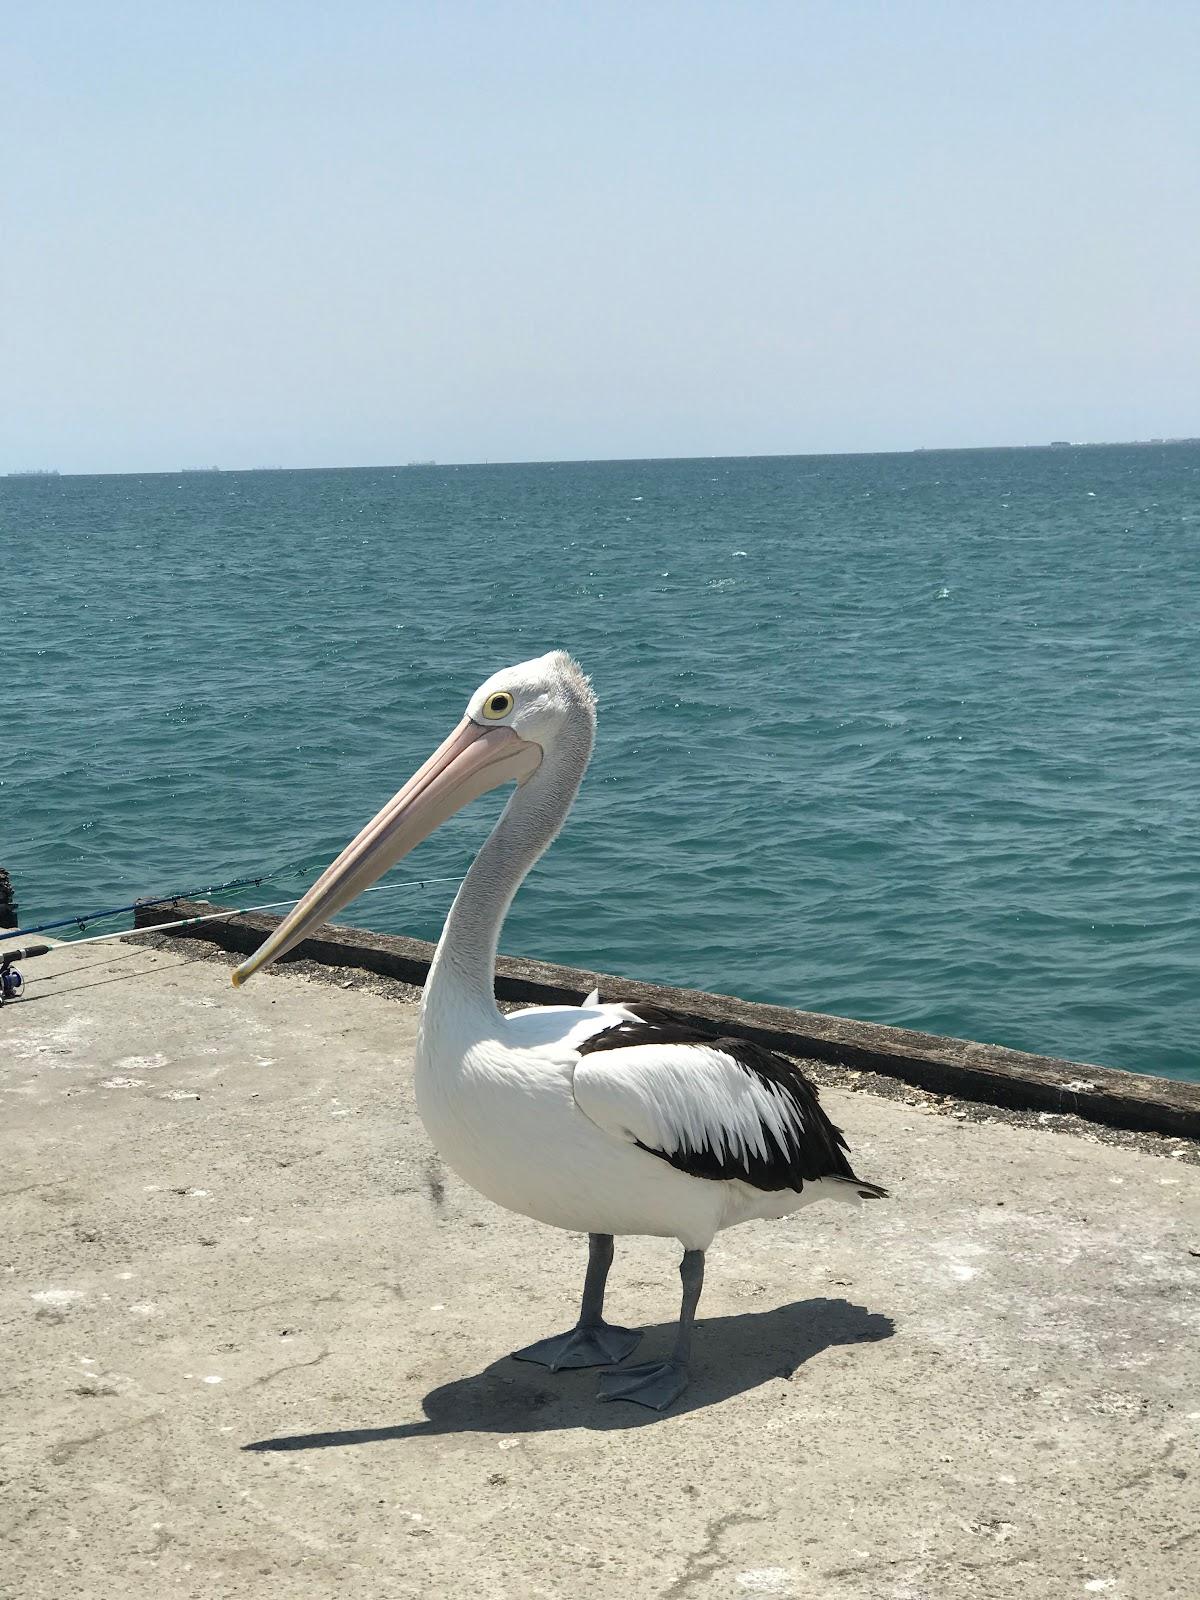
point(306, 234)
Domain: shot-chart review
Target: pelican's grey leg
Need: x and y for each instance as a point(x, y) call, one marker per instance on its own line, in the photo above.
point(592, 1342)
point(657, 1383)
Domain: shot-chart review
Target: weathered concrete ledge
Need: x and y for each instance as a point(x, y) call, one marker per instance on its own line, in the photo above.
point(970, 1071)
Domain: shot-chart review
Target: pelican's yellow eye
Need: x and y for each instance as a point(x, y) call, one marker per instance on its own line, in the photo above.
point(498, 705)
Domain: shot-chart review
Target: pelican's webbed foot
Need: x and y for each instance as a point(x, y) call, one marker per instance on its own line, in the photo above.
point(592, 1342)
point(655, 1384)
point(596, 1345)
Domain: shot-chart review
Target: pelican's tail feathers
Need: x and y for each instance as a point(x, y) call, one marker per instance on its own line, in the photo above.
point(859, 1189)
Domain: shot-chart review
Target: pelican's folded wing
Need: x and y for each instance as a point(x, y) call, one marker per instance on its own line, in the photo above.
point(713, 1107)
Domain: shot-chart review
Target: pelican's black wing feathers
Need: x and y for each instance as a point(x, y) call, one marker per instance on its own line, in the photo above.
point(779, 1136)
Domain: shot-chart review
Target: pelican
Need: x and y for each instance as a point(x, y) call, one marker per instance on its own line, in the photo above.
point(603, 1119)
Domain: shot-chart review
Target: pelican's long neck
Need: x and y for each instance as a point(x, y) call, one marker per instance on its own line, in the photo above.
point(462, 977)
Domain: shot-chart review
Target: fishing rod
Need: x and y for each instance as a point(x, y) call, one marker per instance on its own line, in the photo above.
point(215, 916)
point(158, 900)
point(12, 984)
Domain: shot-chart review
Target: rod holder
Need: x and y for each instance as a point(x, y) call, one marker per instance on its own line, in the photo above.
point(8, 901)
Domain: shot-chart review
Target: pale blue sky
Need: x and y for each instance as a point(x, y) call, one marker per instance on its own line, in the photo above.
point(308, 234)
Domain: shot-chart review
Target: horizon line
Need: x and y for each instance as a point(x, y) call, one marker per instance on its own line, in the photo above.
point(579, 461)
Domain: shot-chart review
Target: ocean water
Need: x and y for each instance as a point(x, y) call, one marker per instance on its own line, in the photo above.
point(908, 737)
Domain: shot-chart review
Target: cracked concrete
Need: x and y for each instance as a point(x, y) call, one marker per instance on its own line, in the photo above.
point(708, 1559)
point(255, 1340)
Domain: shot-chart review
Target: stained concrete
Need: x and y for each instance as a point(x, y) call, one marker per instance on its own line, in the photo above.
point(254, 1340)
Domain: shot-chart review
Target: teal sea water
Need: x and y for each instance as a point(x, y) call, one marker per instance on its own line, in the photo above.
point(906, 737)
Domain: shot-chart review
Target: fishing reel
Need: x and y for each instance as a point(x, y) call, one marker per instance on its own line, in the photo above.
point(12, 984)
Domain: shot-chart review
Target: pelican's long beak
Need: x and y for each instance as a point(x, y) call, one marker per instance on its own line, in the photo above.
point(472, 760)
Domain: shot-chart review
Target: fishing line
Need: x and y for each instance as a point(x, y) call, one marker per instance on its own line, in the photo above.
point(81, 922)
point(216, 916)
point(158, 900)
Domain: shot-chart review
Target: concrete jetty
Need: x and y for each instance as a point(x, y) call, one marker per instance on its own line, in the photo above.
point(255, 1336)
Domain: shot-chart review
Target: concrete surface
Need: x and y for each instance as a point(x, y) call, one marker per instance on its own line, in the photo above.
point(255, 1335)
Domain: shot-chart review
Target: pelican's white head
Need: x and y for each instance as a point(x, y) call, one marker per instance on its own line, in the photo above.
point(541, 710)
point(540, 700)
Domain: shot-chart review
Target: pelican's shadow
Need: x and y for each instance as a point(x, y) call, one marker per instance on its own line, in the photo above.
point(730, 1356)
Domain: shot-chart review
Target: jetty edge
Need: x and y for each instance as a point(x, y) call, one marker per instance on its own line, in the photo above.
point(990, 1074)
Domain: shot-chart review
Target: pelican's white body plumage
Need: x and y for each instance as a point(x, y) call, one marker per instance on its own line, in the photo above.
point(566, 1139)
